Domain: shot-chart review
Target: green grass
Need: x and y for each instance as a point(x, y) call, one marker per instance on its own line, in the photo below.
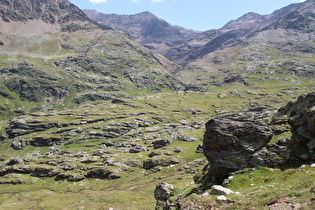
point(262, 186)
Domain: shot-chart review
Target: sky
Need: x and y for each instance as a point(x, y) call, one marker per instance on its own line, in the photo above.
point(200, 15)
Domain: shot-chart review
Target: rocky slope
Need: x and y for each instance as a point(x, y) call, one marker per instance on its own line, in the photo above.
point(26, 16)
point(79, 62)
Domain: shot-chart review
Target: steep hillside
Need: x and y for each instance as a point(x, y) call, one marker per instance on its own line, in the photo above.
point(78, 62)
point(41, 16)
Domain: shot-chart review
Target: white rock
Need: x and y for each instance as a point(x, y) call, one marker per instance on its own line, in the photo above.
point(221, 198)
point(205, 195)
point(313, 165)
point(219, 190)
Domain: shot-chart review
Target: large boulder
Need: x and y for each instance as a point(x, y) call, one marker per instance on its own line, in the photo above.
point(162, 194)
point(232, 144)
point(229, 144)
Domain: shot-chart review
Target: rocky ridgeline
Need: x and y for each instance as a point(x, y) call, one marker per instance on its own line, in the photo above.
point(232, 144)
point(60, 12)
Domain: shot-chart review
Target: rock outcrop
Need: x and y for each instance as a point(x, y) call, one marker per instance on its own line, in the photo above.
point(232, 145)
point(229, 144)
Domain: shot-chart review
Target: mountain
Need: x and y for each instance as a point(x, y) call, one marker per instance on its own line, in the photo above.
point(53, 55)
point(147, 29)
point(286, 43)
point(254, 20)
point(44, 16)
point(183, 46)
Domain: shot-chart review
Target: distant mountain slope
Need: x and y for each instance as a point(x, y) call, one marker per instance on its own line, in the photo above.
point(147, 29)
point(180, 45)
point(29, 16)
point(284, 47)
point(66, 59)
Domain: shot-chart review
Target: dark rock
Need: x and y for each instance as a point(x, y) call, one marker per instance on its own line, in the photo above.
point(162, 194)
point(161, 143)
point(159, 161)
point(41, 142)
point(186, 138)
point(44, 172)
point(14, 161)
point(155, 153)
point(12, 181)
point(137, 149)
point(229, 144)
point(3, 137)
point(199, 149)
point(18, 144)
point(102, 173)
point(178, 149)
point(69, 177)
point(132, 163)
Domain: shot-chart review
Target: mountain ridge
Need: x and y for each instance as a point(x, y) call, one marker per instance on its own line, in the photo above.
point(53, 16)
point(181, 48)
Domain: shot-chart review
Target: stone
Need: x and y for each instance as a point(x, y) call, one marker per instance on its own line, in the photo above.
point(18, 144)
point(222, 95)
point(14, 161)
point(102, 173)
point(3, 137)
point(159, 161)
point(221, 199)
point(162, 194)
point(219, 190)
point(44, 172)
point(157, 144)
point(69, 177)
point(137, 149)
point(229, 143)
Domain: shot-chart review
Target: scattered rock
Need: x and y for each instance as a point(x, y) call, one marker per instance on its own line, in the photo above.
point(222, 95)
point(199, 149)
point(102, 173)
point(18, 144)
point(3, 137)
point(132, 163)
point(14, 161)
point(44, 172)
point(137, 149)
point(157, 144)
point(162, 194)
point(69, 177)
point(159, 161)
point(178, 149)
point(221, 199)
point(219, 190)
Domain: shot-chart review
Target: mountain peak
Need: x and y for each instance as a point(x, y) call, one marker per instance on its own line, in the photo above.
point(249, 20)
